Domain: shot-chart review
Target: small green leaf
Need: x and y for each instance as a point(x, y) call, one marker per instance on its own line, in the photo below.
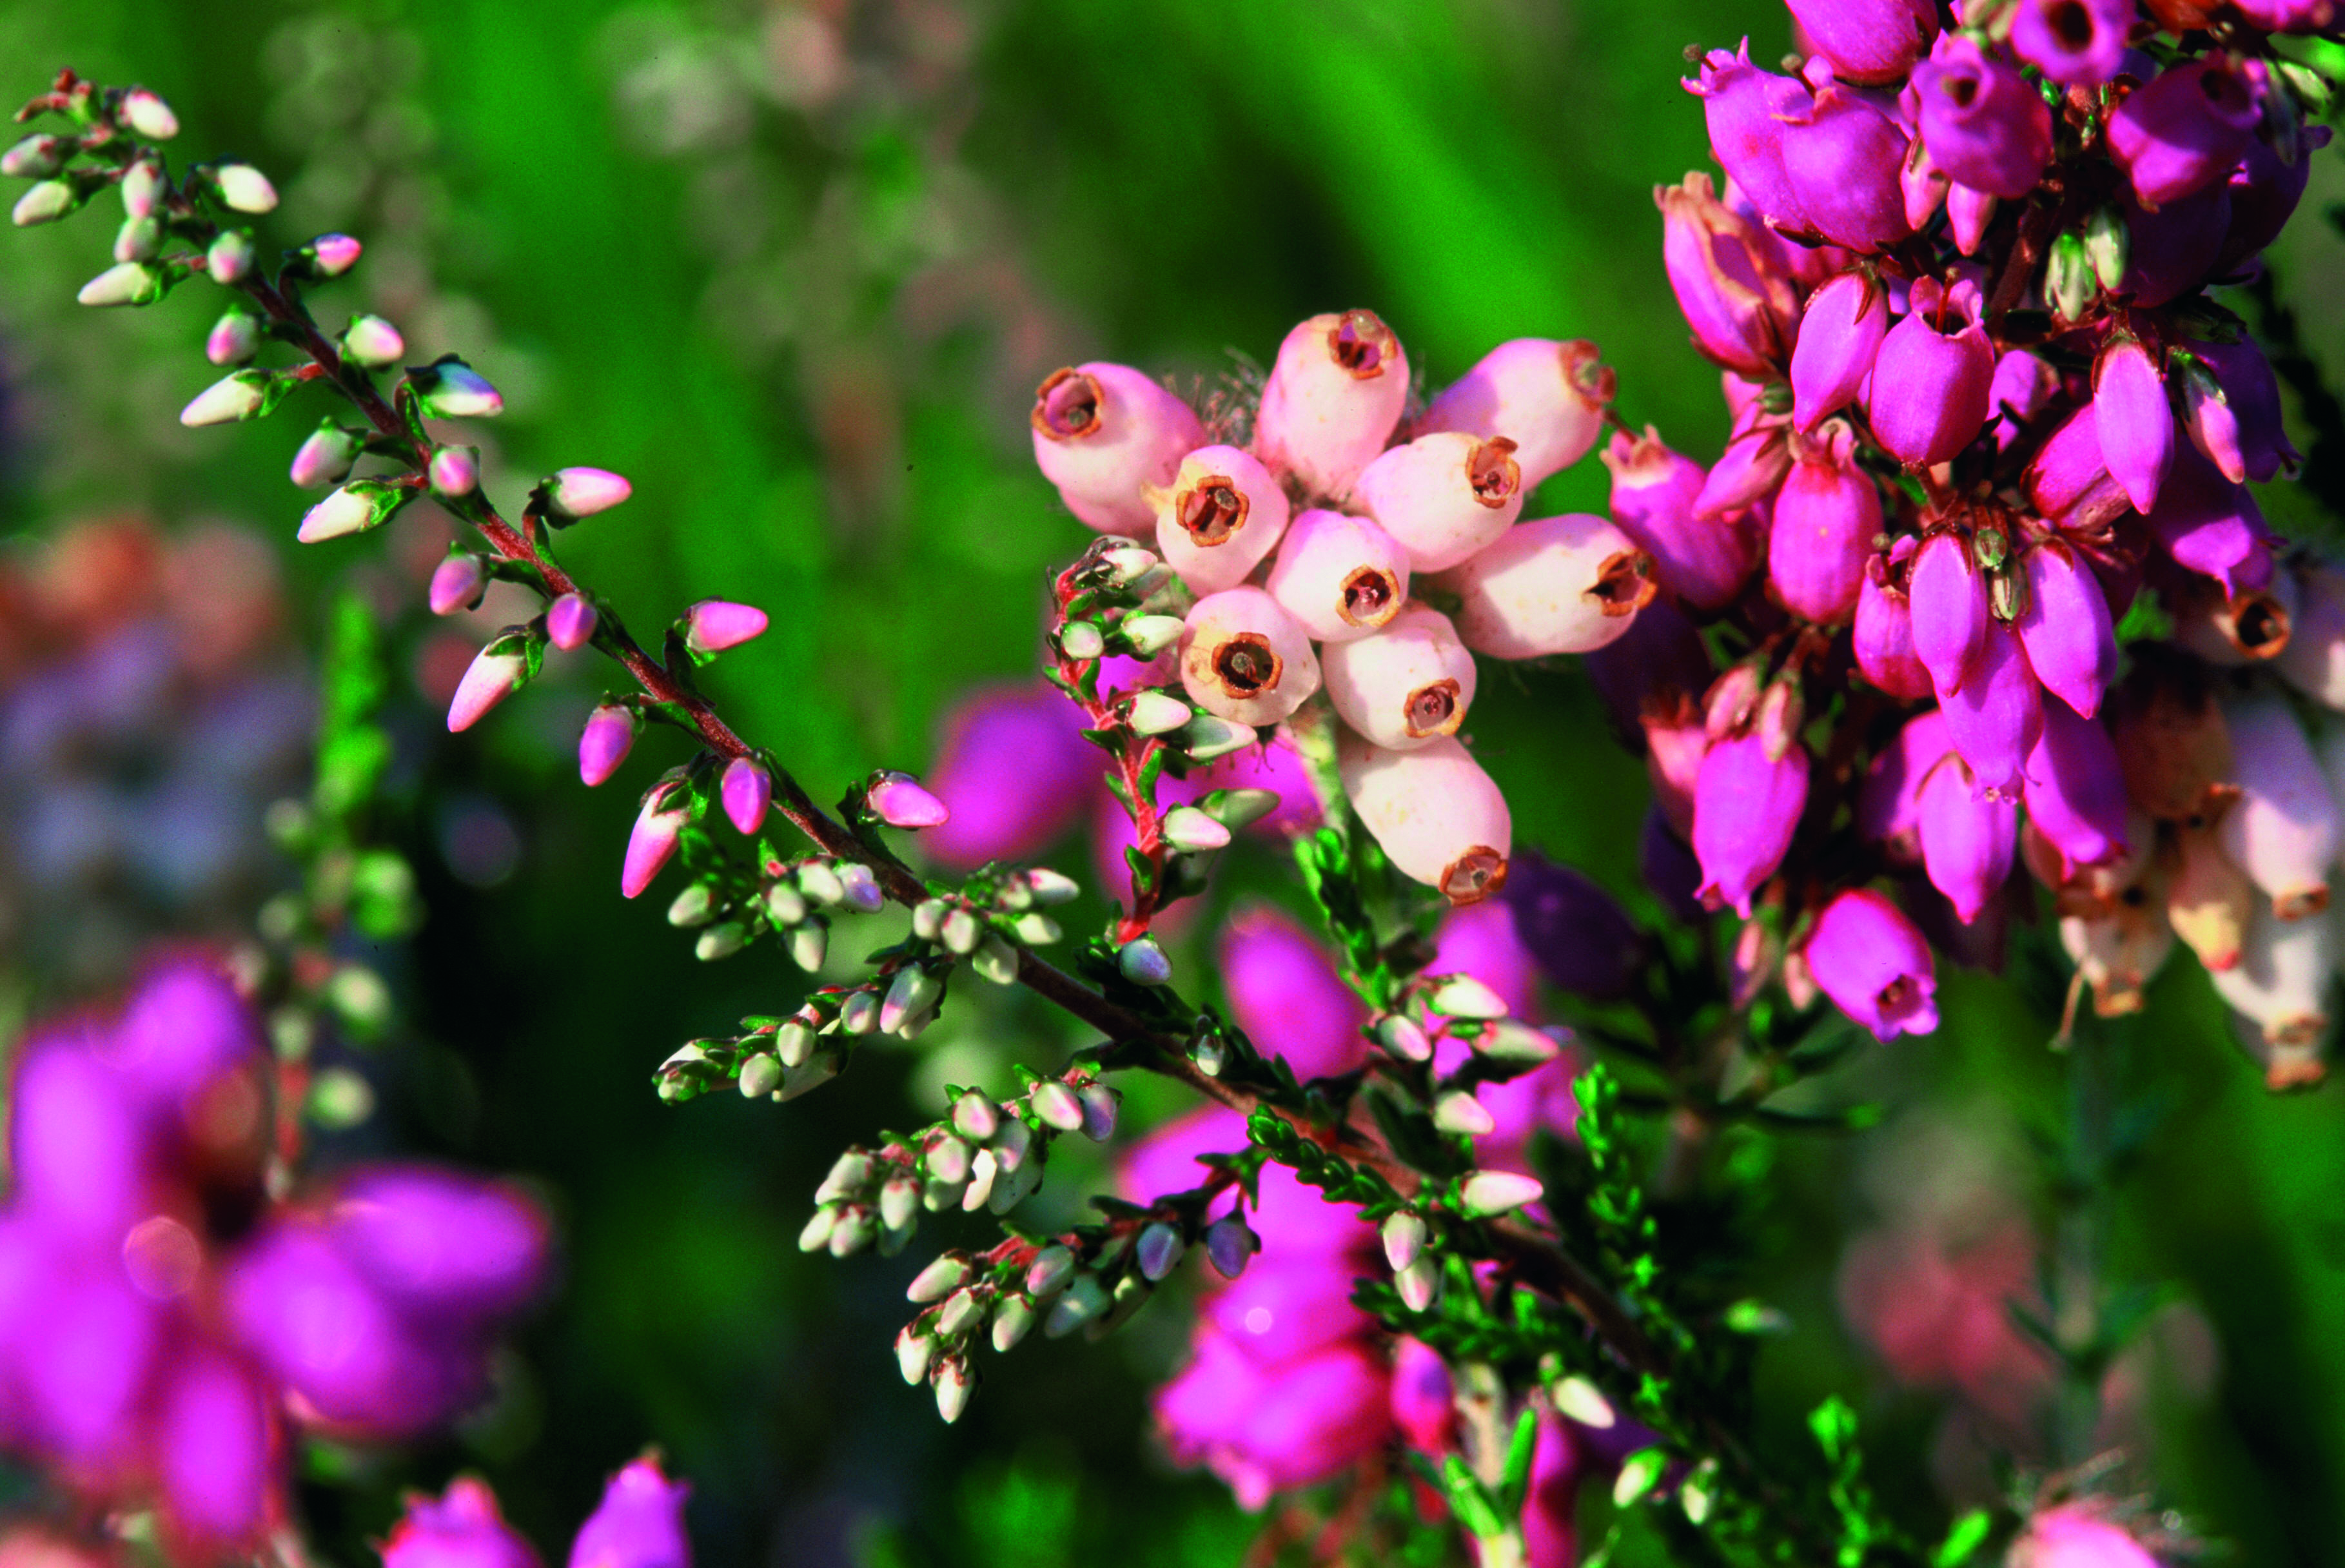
point(1968, 1533)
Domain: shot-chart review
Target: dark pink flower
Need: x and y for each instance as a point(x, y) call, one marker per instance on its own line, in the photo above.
point(2074, 1536)
point(1843, 154)
point(1578, 934)
point(1746, 109)
point(1888, 806)
point(639, 1523)
point(1746, 806)
point(1015, 772)
point(1840, 334)
point(1985, 124)
point(1874, 964)
point(1968, 838)
point(2174, 245)
point(2133, 420)
point(1884, 628)
point(1703, 561)
point(1996, 717)
point(1825, 517)
point(1868, 41)
point(1949, 611)
point(2232, 409)
point(2074, 790)
point(2071, 642)
point(2069, 483)
point(1266, 1429)
point(2075, 43)
point(463, 1528)
point(2264, 192)
point(1285, 992)
point(1741, 307)
point(2209, 525)
point(1931, 378)
point(2184, 130)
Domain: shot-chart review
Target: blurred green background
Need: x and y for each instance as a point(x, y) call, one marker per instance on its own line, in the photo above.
point(794, 270)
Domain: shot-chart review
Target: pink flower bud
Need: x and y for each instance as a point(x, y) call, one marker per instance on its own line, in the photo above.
point(1403, 686)
point(2132, 420)
point(570, 622)
point(1443, 497)
point(1968, 213)
point(2282, 979)
point(495, 673)
point(1931, 377)
point(2209, 525)
point(2184, 131)
point(2065, 625)
point(1869, 41)
point(1746, 806)
point(2232, 408)
point(2076, 42)
point(576, 493)
point(1825, 517)
point(1889, 803)
point(1245, 659)
point(748, 792)
point(1437, 816)
point(639, 1523)
point(336, 253)
point(454, 472)
point(1554, 585)
point(714, 625)
point(1332, 399)
point(1839, 335)
point(457, 583)
point(1874, 965)
point(234, 338)
point(2074, 791)
point(2069, 483)
point(324, 456)
point(1950, 610)
point(1676, 742)
point(1223, 512)
point(898, 800)
point(2313, 661)
point(2283, 829)
point(1743, 308)
point(1654, 491)
point(1997, 717)
point(604, 743)
point(1547, 398)
point(1755, 460)
point(38, 156)
point(1967, 839)
point(451, 390)
point(1986, 124)
point(1884, 628)
point(659, 827)
point(2073, 1535)
point(149, 115)
point(1339, 576)
point(226, 400)
point(1103, 434)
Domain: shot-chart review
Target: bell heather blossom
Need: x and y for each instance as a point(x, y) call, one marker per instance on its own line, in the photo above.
point(1747, 801)
point(1874, 964)
point(2073, 1536)
point(1103, 434)
point(1839, 335)
point(1884, 627)
point(2231, 406)
point(1703, 561)
point(2065, 628)
point(1741, 306)
point(1982, 122)
point(1547, 398)
point(639, 1523)
point(1825, 517)
point(2184, 130)
point(1932, 376)
point(1867, 41)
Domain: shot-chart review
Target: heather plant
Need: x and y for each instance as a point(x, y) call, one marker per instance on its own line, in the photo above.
point(1976, 619)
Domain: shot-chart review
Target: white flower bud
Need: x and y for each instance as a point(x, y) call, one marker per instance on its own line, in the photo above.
point(1012, 1320)
point(1435, 812)
point(234, 338)
point(45, 203)
point(815, 1236)
point(137, 239)
point(230, 259)
point(961, 931)
point(976, 1116)
point(963, 1312)
point(1035, 930)
point(1339, 576)
point(1406, 685)
point(1489, 1192)
point(785, 904)
point(1419, 1284)
point(1557, 586)
point(1149, 635)
point(761, 1075)
point(859, 888)
point(955, 1380)
point(325, 458)
point(36, 156)
point(1084, 1299)
point(149, 115)
point(695, 906)
point(1192, 831)
point(1159, 1250)
point(1404, 1238)
point(125, 283)
point(142, 188)
point(1576, 1399)
point(1209, 735)
point(808, 944)
point(1400, 1037)
point(1154, 712)
point(899, 1204)
point(228, 399)
point(1081, 640)
point(794, 1043)
point(1142, 962)
point(914, 1351)
point(1099, 1102)
point(1056, 1103)
point(244, 188)
point(372, 341)
point(947, 1160)
point(913, 991)
point(820, 882)
point(1464, 996)
point(352, 508)
point(1011, 1141)
point(849, 1175)
point(1637, 1473)
point(860, 1014)
point(1052, 1267)
point(1457, 1110)
point(1246, 660)
point(995, 960)
point(928, 918)
point(1049, 887)
point(720, 942)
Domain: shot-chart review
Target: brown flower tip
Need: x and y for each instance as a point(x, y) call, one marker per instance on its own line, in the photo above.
point(1433, 709)
point(2291, 1070)
point(1474, 875)
point(1493, 472)
point(1371, 596)
point(1585, 370)
point(1625, 583)
point(1212, 509)
point(1247, 665)
point(1067, 405)
point(1362, 344)
point(2257, 625)
point(2300, 902)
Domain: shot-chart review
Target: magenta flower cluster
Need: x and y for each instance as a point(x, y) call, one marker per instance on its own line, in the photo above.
point(639, 1523)
point(166, 1325)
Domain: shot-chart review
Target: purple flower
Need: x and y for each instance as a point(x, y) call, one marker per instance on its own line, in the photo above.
point(1581, 939)
point(639, 1525)
point(2071, 642)
point(2068, 483)
point(748, 792)
point(1871, 962)
point(712, 625)
point(1754, 464)
point(218, 1451)
point(1825, 517)
point(1286, 995)
point(1269, 1428)
point(1888, 806)
point(658, 830)
point(1967, 839)
point(1998, 716)
point(1839, 337)
point(609, 735)
point(2133, 421)
point(2184, 130)
point(1745, 109)
point(1746, 805)
point(1702, 561)
point(461, 1528)
point(1884, 628)
point(898, 800)
point(2232, 409)
point(2075, 43)
point(439, 1245)
point(2264, 192)
point(2209, 525)
point(2073, 1536)
point(457, 584)
point(1843, 154)
point(1015, 772)
point(570, 622)
point(1931, 377)
point(2175, 247)
point(1741, 306)
point(2023, 385)
point(2074, 791)
point(1984, 124)
point(1950, 610)
point(1868, 41)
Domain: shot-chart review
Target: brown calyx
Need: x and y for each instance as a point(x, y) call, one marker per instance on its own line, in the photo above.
point(1247, 665)
point(1066, 405)
point(1212, 509)
point(1362, 344)
point(1474, 875)
point(2257, 625)
point(1433, 709)
point(1493, 472)
point(1624, 584)
point(1370, 597)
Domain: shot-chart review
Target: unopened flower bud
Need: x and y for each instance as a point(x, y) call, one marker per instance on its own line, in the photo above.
point(1012, 1141)
point(324, 456)
point(1404, 1236)
point(914, 1351)
point(962, 1312)
point(1056, 1103)
point(960, 931)
point(451, 390)
point(1209, 735)
point(372, 342)
point(36, 158)
point(659, 826)
point(454, 472)
point(1154, 712)
point(976, 1116)
point(1142, 962)
point(761, 1075)
point(928, 918)
point(1400, 1037)
point(603, 743)
point(355, 508)
point(1081, 640)
point(1050, 887)
point(148, 115)
point(1441, 819)
point(2133, 420)
point(1083, 1300)
point(1576, 1399)
point(1052, 1269)
point(1192, 831)
point(913, 991)
point(572, 493)
point(1149, 635)
point(1932, 377)
point(1012, 1320)
point(860, 1014)
point(1035, 930)
point(898, 800)
point(815, 1235)
point(1457, 1111)
point(794, 1043)
point(1230, 1244)
point(457, 584)
point(899, 1205)
point(1489, 1192)
point(995, 960)
point(1339, 576)
point(228, 399)
point(234, 338)
point(1159, 1250)
point(861, 889)
point(746, 791)
point(570, 622)
point(334, 254)
point(45, 203)
point(1419, 1284)
point(1099, 1103)
point(1464, 996)
point(495, 673)
point(809, 943)
point(125, 283)
point(244, 188)
point(1637, 1473)
point(138, 238)
point(955, 1380)
point(712, 625)
point(1331, 400)
point(228, 260)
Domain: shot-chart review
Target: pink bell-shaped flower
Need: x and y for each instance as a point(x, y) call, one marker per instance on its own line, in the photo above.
point(1874, 965)
point(1932, 376)
point(1825, 517)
